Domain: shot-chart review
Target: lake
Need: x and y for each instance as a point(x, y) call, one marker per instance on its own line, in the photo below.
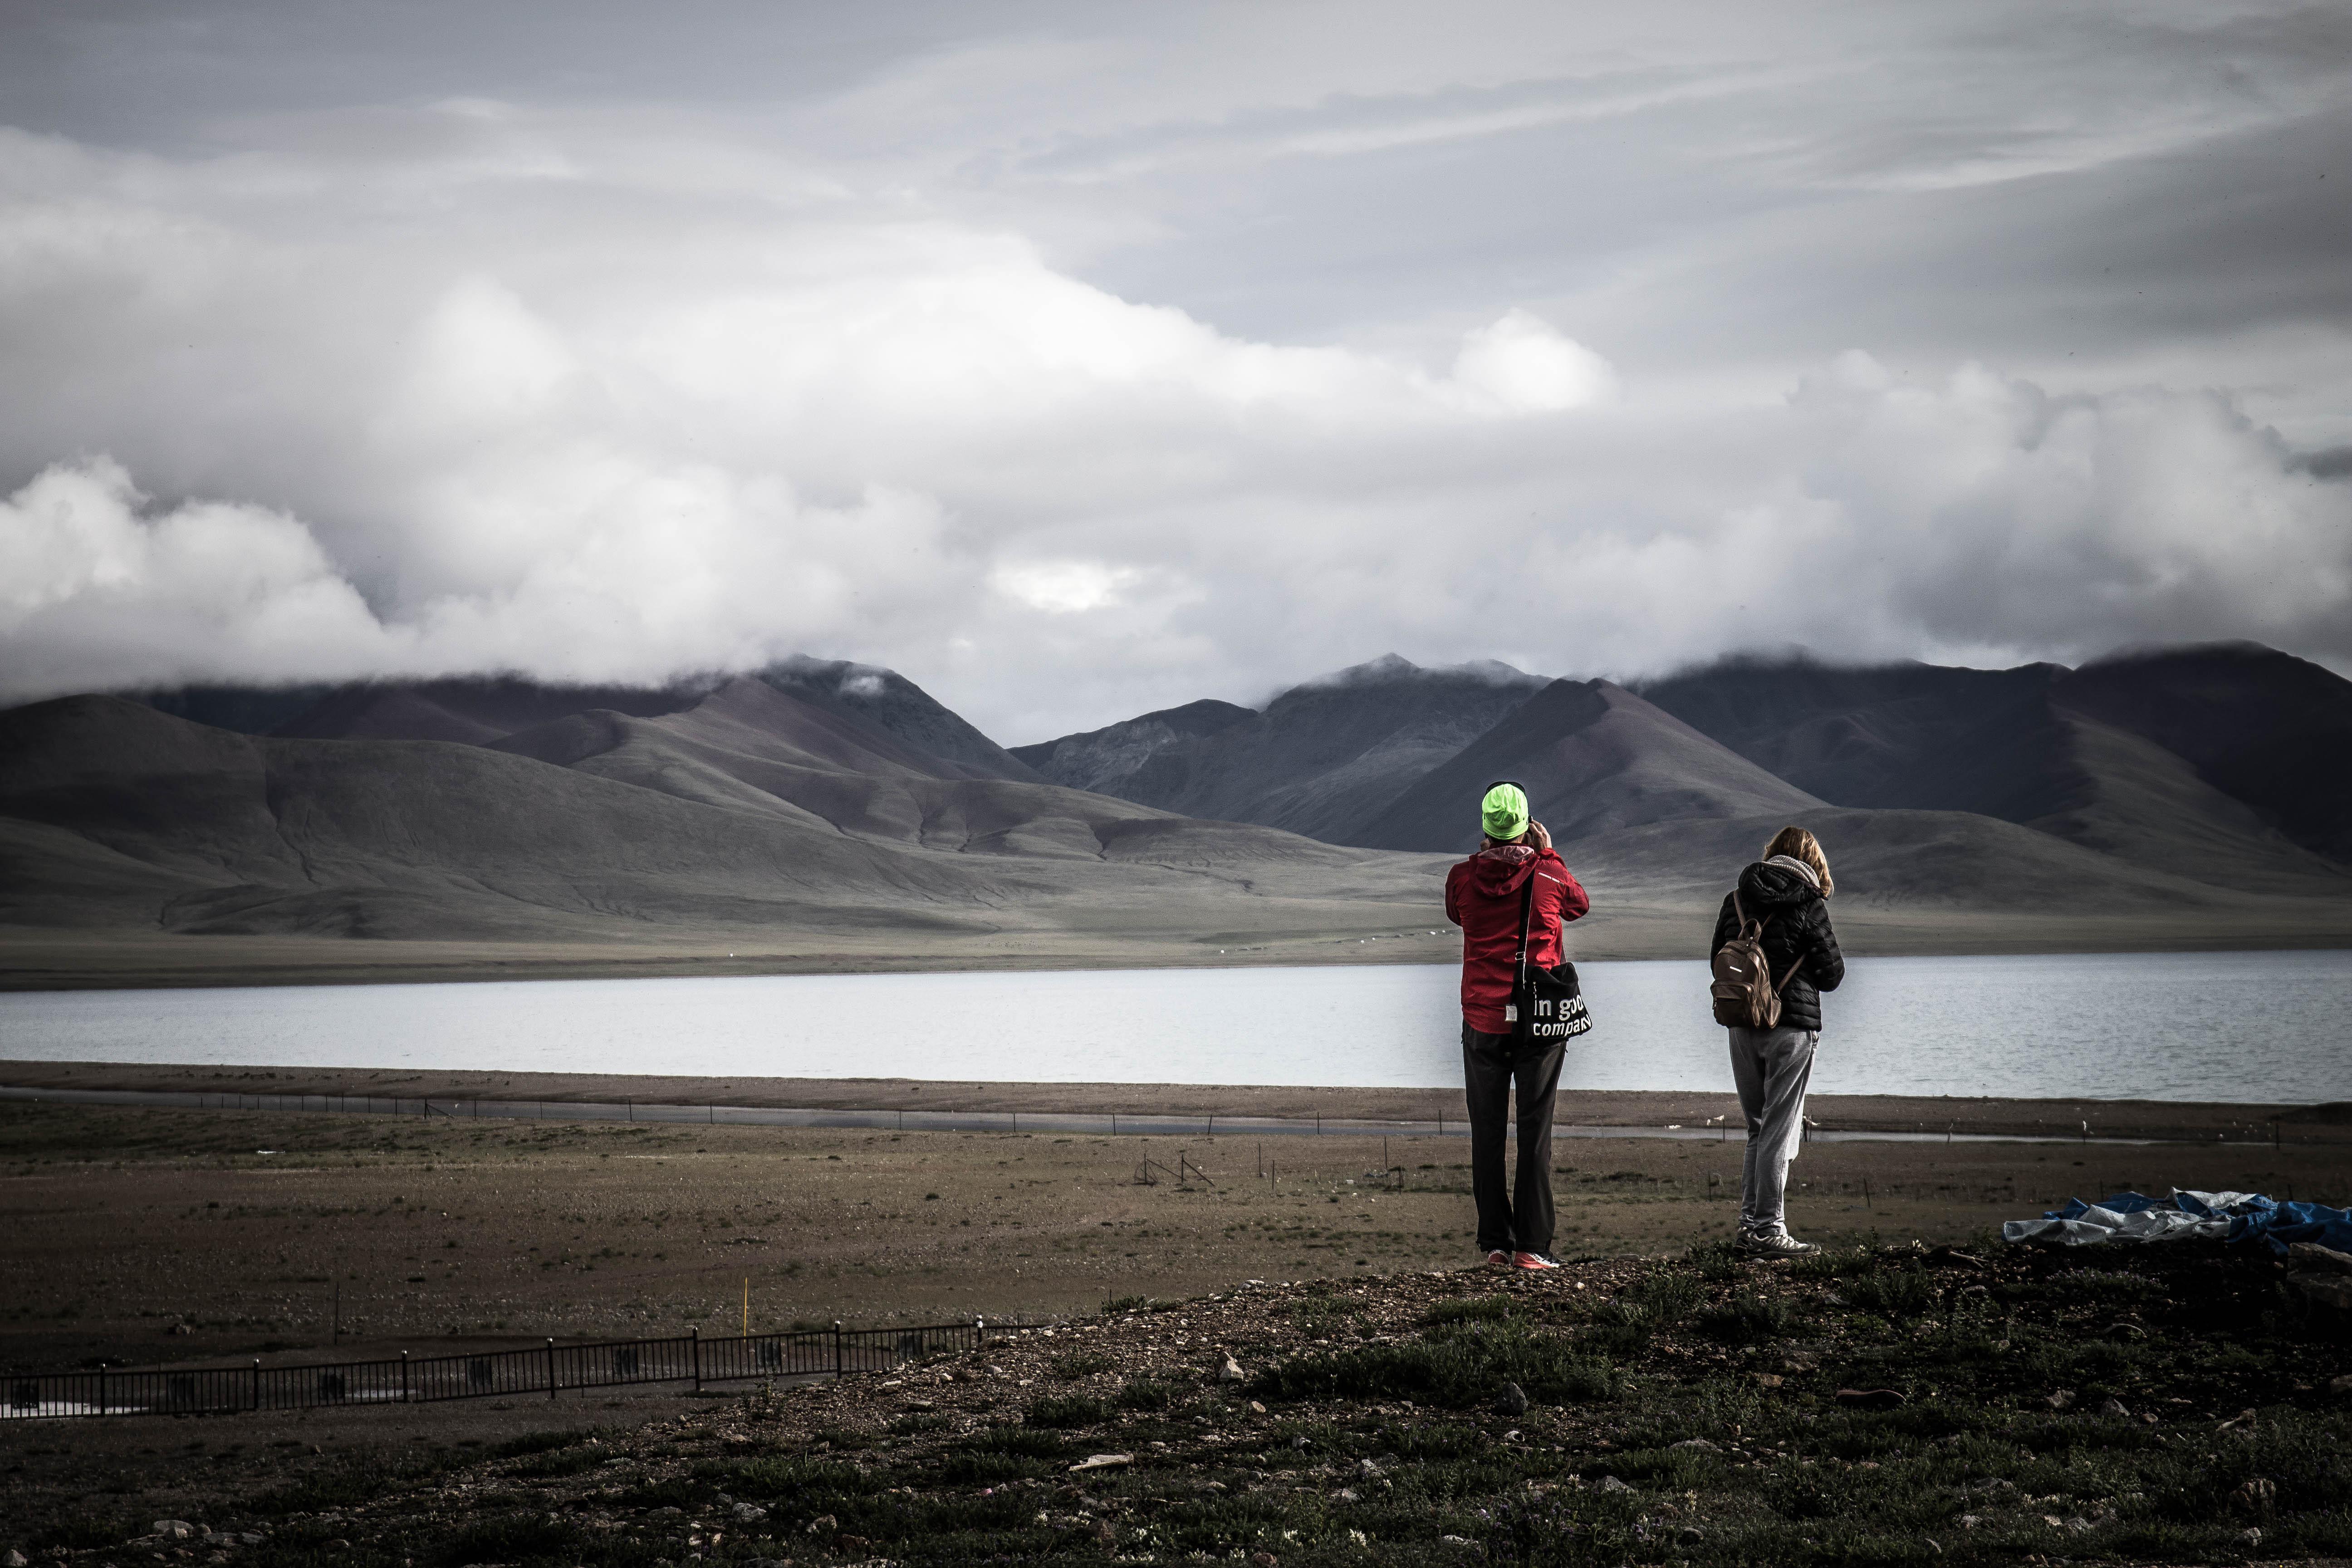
point(2244, 1026)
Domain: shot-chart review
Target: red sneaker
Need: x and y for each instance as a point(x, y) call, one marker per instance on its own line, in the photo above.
point(1532, 1260)
point(1498, 1259)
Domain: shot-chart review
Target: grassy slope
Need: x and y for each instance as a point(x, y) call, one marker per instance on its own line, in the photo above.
point(1684, 1411)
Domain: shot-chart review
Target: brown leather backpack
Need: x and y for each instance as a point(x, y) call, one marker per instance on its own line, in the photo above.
point(1746, 996)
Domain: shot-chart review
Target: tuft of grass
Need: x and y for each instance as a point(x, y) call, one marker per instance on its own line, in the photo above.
point(1623, 1325)
point(1456, 1365)
point(1030, 1441)
point(1064, 1410)
point(561, 1462)
point(1075, 1365)
point(1145, 1394)
point(1441, 1440)
point(1002, 1454)
point(535, 1443)
point(518, 1537)
point(85, 1530)
point(1894, 1292)
point(1747, 1319)
point(1839, 1263)
point(969, 1468)
point(1469, 1310)
point(804, 1483)
point(2103, 1285)
point(345, 1485)
point(1714, 1262)
point(1668, 1295)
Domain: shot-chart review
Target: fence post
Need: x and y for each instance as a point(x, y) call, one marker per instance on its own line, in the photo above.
point(101, 1388)
point(696, 1349)
point(836, 1347)
point(551, 1368)
point(256, 1382)
point(404, 1377)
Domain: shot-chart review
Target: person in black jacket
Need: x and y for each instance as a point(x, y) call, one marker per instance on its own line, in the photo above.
point(1787, 891)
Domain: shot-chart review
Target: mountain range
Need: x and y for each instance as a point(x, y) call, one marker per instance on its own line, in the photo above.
point(2221, 765)
point(2192, 794)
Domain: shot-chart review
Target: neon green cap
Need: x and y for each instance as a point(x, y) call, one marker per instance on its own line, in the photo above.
point(1503, 813)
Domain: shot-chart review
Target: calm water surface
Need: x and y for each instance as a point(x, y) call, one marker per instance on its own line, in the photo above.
point(2253, 1026)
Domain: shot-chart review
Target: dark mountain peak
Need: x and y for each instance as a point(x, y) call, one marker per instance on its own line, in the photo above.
point(1089, 759)
point(2265, 727)
point(896, 706)
point(1593, 757)
point(1394, 669)
point(2222, 653)
point(1323, 758)
point(1206, 717)
point(1388, 667)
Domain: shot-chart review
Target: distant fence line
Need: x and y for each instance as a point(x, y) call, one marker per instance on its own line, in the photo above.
point(1118, 1124)
point(548, 1369)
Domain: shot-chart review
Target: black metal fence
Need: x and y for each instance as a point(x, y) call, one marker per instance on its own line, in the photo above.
point(542, 1370)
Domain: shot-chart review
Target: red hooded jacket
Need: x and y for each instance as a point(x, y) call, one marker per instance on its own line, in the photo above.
point(1482, 897)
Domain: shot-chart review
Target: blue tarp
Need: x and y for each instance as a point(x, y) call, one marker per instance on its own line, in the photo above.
point(2236, 1217)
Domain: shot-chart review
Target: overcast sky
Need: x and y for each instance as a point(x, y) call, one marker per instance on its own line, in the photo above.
point(1081, 360)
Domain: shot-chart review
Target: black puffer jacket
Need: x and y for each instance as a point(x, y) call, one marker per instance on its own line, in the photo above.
point(1796, 931)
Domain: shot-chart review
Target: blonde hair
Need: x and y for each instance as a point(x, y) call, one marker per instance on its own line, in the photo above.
point(1798, 844)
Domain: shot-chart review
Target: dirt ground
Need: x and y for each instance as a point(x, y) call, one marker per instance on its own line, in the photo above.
point(139, 1236)
point(1652, 1108)
point(144, 1236)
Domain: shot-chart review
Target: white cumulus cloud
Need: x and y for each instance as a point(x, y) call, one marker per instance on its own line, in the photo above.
point(1522, 364)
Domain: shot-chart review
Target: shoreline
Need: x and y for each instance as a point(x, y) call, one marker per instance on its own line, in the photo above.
point(36, 959)
point(1350, 1111)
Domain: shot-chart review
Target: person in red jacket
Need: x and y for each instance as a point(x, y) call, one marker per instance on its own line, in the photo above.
point(1486, 896)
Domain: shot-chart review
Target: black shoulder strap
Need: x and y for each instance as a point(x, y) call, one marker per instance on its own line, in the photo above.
point(1526, 925)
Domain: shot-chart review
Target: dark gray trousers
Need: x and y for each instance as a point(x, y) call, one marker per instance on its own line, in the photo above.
point(1517, 1219)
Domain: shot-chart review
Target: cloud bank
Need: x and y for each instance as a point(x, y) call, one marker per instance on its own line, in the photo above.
point(612, 391)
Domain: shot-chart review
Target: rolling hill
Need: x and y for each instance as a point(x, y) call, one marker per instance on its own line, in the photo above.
point(2182, 797)
point(751, 810)
point(1323, 758)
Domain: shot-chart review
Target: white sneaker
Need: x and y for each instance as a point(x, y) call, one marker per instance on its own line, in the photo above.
point(1771, 1243)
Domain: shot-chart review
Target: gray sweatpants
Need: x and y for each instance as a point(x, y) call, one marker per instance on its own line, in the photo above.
point(1771, 1068)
